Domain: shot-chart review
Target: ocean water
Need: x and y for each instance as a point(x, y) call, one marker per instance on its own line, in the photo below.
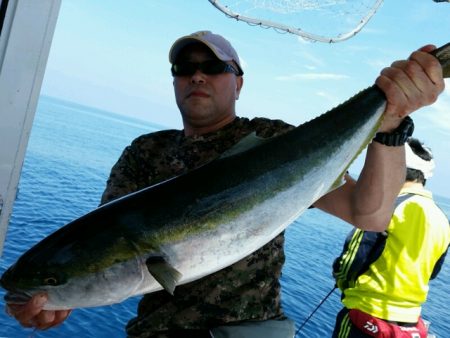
point(70, 154)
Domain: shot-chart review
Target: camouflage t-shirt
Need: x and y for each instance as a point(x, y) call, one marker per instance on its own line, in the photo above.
point(247, 290)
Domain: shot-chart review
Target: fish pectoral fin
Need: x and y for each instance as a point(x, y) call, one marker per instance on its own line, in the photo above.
point(163, 272)
point(248, 142)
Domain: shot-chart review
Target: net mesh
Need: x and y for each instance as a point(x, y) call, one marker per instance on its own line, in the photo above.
point(319, 20)
point(285, 7)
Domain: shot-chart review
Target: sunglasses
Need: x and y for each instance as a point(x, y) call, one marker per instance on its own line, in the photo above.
point(209, 67)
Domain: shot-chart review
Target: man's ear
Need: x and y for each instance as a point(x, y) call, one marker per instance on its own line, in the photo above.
point(239, 84)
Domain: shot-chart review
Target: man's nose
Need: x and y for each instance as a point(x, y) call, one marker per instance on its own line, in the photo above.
point(198, 77)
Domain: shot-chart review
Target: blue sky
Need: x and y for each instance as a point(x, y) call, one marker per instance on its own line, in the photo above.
point(112, 55)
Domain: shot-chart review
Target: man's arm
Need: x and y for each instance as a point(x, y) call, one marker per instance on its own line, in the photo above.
point(368, 203)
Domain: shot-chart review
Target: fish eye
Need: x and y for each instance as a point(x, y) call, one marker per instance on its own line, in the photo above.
point(52, 281)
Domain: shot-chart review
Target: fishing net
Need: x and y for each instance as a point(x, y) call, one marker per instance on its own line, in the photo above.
point(316, 20)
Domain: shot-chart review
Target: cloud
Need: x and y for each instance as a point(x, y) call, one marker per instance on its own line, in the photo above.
point(440, 111)
point(327, 96)
point(311, 76)
point(372, 31)
point(378, 63)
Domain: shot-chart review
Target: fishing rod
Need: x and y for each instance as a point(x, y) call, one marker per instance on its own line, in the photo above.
point(314, 311)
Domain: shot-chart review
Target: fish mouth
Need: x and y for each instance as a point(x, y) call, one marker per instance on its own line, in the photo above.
point(16, 297)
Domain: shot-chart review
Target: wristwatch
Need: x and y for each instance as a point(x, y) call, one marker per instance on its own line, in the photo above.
point(399, 136)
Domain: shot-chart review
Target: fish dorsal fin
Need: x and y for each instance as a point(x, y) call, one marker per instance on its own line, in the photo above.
point(248, 142)
point(163, 272)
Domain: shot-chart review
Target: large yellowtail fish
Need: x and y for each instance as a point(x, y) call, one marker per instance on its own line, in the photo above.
point(198, 223)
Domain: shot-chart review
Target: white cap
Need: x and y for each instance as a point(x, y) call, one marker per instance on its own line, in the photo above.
point(413, 161)
point(220, 46)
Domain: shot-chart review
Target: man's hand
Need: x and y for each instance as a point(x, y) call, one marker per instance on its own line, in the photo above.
point(368, 204)
point(409, 85)
point(32, 314)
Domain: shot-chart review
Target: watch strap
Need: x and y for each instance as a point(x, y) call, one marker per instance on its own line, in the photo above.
point(399, 136)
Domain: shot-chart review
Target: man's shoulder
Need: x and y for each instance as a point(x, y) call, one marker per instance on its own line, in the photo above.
point(164, 133)
point(267, 121)
point(269, 127)
point(157, 137)
point(413, 204)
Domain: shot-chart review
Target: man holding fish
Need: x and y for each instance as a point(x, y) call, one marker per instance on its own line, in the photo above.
point(244, 298)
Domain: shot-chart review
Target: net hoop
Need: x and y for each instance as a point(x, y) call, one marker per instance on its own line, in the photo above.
point(297, 31)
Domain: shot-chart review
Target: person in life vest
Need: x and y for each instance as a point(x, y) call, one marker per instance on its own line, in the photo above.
point(384, 276)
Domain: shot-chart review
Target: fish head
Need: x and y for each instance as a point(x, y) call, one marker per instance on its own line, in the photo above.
point(73, 272)
point(22, 284)
point(68, 287)
point(40, 269)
